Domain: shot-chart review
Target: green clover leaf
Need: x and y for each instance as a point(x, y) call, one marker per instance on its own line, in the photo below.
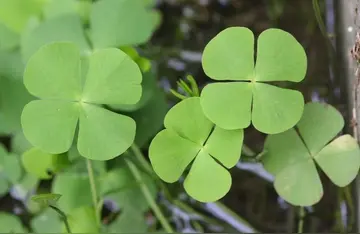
point(70, 89)
point(47, 221)
point(190, 137)
point(291, 156)
point(110, 26)
point(83, 220)
point(229, 56)
point(42, 164)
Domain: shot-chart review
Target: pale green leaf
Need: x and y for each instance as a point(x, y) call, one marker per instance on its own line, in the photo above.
point(42, 164)
point(340, 160)
point(110, 25)
point(103, 134)
point(228, 105)
point(83, 220)
point(230, 55)
point(50, 125)
point(55, 77)
point(279, 57)
point(283, 150)
point(60, 7)
point(170, 154)
point(13, 97)
point(188, 121)
point(299, 183)
point(11, 224)
point(319, 124)
point(207, 181)
point(19, 143)
point(64, 28)
point(112, 78)
point(48, 221)
point(129, 221)
point(72, 186)
point(225, 146)
point(275, 109)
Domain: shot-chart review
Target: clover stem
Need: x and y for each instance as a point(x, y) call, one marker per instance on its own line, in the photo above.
point(149, 198)
point(93, 190)
point(301, 219)
point(63, 216)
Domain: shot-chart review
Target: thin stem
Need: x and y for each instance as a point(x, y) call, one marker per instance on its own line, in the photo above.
point(93, 190)
point(149, 198)
point(63, 216)
point(301, 219)
point(349, 200)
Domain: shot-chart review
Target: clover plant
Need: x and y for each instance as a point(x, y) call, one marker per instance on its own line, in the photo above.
point(71, 89)
point(292, 156)
point(246, 96)
point(191, 139)
point(10, 170)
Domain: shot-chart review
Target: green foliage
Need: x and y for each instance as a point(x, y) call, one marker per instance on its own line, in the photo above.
point(190, 138)
point(10, 170)
point(47, 221)
point(10, 224)
point(42, 164)
point(46, 199)
point(83, 220)
point(70, 93)
point(230, 57)
point(292, 156)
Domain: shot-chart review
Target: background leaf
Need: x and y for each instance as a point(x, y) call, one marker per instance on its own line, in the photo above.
point(10, 223)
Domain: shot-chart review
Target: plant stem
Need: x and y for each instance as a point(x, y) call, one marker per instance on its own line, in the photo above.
point(301, 219)
point(93, 190)
point(149, 198)
point(63, 216)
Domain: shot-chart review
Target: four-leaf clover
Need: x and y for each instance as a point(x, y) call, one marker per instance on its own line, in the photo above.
point(229, 56)
point(291, 156)
point(71, 89)
point(191, 138)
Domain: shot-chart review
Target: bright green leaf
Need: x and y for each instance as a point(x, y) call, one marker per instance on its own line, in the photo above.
point(110, 25)
point(280, 57)
point(103, 85)
point(175, 148)
point(207, 181)
point(10, 224)
point(60, 7)
point(275, 109)
point(230, 55)
point(111, 134)
point(8, 39)
point(188, 121)
point(74, 85)
point(170, 154)
point(44, 115)
point(224, 106)
point(42, 164)
point(340, 160)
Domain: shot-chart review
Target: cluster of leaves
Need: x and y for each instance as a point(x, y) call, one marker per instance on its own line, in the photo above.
point(206, 132)
point(78, 58)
